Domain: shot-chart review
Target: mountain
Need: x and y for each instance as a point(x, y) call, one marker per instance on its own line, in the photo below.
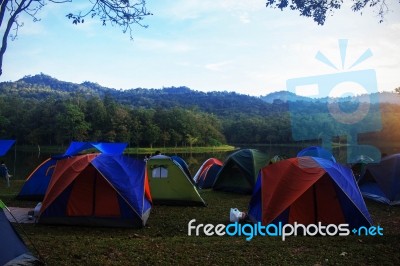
point(42, 87)
point(286, 96)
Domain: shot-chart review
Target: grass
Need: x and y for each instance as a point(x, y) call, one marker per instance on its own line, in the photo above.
point(165, 241)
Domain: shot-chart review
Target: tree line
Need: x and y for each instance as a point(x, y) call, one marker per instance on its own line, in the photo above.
point(57, 122)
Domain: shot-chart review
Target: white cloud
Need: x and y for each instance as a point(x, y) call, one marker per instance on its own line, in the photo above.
point(196, 9)
point(395, 27)
point(244, 18)
point(219, 66)
point(163, 45)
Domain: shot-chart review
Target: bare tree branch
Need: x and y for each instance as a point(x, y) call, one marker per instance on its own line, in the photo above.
point(121, 13)
point(7, 31)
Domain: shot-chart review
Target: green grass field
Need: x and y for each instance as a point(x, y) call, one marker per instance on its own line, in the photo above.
point(165, 239)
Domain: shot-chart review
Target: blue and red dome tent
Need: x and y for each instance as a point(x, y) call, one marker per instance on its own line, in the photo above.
point(308, 190)
point(98, 189)
point(207, 173)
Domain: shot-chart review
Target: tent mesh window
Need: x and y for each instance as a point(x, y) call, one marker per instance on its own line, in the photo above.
point(159, 172)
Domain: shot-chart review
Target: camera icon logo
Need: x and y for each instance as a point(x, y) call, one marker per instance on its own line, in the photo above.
point(349, 105)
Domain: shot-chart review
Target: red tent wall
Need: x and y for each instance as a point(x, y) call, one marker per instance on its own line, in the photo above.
point(318, 204)
point(92, 195)
point(306, 191)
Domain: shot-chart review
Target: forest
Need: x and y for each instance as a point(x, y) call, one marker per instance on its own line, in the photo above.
point(43, 110)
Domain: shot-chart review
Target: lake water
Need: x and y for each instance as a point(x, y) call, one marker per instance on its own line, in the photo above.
point(22, 163)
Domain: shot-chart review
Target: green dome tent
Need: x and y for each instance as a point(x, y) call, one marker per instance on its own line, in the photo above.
point(240, 170)
point(169, 184)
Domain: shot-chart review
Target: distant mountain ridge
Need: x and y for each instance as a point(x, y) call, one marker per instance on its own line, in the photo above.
point(41, 86)
point(286, 96)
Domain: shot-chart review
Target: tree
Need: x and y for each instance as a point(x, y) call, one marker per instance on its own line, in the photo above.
point(122, 13)
point(318, 9)
point(96, 114)
point(152, 134)
point(71, 124)
point(191, 140)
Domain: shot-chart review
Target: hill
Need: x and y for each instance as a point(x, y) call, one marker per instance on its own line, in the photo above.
point(284, 96)
point(42, 87)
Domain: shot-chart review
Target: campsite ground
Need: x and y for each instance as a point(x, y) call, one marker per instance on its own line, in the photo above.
point(165, 239)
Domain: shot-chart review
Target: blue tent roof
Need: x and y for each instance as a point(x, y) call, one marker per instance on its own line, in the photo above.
point(5, 145)
point(183, 164)
point(106, 148)
point(345, 180)
point(127, 175)
point(112, 148)
point(316, 151)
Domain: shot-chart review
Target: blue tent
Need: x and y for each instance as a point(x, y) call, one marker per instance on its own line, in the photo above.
point(36, 183)
point(307, 190)
point(5, 145)
point(316, 151)
point(13, 250)
point(381, 181)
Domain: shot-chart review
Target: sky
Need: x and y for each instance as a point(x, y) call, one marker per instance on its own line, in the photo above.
point(206, 45)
